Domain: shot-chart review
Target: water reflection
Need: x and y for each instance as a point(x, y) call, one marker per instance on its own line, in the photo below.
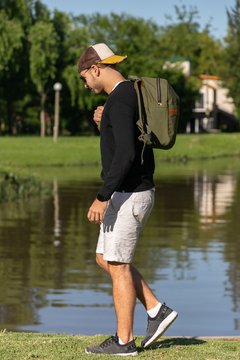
point(57, 223)
point(213, 196)
point(189, 252)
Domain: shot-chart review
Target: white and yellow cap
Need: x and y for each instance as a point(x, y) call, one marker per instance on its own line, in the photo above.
point(98, 54)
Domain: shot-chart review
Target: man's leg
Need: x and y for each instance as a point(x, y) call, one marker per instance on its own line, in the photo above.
point(157, 323)
point(142, 290)
point(123, 222)
point(124, 297)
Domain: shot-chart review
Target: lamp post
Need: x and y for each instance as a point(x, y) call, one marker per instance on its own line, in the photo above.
point(57, 88)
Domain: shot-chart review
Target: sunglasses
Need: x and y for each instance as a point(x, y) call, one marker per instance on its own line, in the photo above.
point(83, 78)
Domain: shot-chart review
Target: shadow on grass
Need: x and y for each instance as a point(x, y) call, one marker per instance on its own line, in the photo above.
point(167, 343)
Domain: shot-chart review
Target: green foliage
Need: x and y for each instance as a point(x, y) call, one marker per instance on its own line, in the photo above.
point(188, 42)
point(117, 31)
point(40, 12)
point(210, 55)
point(38, 48)
point(43, 55)
point(14, 186)
point(11, 34)
point(18, 10)
point(231, 72)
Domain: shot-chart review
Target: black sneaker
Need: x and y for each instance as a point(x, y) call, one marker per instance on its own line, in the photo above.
point(159, 324)
point(112, 346)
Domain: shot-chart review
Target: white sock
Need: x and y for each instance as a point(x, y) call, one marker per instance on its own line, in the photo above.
point(120, 341)
point(153, 312)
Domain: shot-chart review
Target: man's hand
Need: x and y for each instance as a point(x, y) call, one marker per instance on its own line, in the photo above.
point(97, 116)
point(96, 211)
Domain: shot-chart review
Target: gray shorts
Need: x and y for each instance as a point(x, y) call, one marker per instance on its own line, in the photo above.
point(123, 221)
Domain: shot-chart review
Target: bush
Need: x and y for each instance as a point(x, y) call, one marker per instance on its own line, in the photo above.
point(13, 186)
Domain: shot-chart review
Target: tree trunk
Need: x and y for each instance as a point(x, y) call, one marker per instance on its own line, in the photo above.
point(42, 115)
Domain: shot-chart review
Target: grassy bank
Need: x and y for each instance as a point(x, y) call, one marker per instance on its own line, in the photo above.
point(24, 346)
point(17, 185)
point(32, 155)
point(34, 151)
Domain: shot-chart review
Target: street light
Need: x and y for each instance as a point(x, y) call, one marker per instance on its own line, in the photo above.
point(57, 88)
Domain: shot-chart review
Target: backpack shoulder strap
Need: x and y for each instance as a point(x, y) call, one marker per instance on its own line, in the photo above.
point(142, 121)
point(137, 86)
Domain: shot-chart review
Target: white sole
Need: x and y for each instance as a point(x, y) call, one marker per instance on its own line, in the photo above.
point(131, 354)
point(135, 353)
point(162, 327)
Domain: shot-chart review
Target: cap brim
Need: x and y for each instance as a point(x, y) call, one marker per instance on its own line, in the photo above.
point(114, 59)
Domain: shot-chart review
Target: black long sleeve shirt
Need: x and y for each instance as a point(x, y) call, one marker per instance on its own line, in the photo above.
point(121, 150)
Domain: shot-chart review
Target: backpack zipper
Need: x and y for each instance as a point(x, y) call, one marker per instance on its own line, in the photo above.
point(159, 95)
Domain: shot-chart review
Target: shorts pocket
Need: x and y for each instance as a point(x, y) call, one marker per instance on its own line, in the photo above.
point(141, 211)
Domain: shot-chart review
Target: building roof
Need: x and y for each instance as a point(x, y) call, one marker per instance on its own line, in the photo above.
point(209, 77)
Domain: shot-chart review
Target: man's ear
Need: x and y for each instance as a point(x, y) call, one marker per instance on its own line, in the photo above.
point(96, 70)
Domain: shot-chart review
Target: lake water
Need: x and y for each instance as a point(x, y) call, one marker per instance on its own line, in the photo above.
point(189, 253)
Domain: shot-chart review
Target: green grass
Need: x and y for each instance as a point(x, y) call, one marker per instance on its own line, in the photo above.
point(26, 346)
point(36, 151)
point(203, 146)
point(41, 157)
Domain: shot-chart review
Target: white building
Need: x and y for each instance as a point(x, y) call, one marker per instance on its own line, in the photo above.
point(212, 92)
point(213, 100)
point(214, 110)
point(179, 63)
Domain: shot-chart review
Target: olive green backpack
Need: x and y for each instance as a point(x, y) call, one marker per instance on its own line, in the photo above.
point(159, 110)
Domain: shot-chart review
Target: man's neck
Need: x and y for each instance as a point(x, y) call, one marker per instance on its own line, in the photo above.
point(114, 79)
point(119, 82)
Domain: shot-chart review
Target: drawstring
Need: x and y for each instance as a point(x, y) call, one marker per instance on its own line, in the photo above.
point(142, 160)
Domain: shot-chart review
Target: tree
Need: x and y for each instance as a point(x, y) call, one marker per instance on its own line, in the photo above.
point(18, 10)
point(16, 19)
point(38, 48)
point(231, 72)
point(115, 30)
point(128, 35)
point(11, 47)
point(143, 60)
point(11, 34)
point(183, 38)
point(43, 57)
point(210, 59)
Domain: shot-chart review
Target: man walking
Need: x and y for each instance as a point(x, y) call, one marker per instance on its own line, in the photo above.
point(124, 201)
